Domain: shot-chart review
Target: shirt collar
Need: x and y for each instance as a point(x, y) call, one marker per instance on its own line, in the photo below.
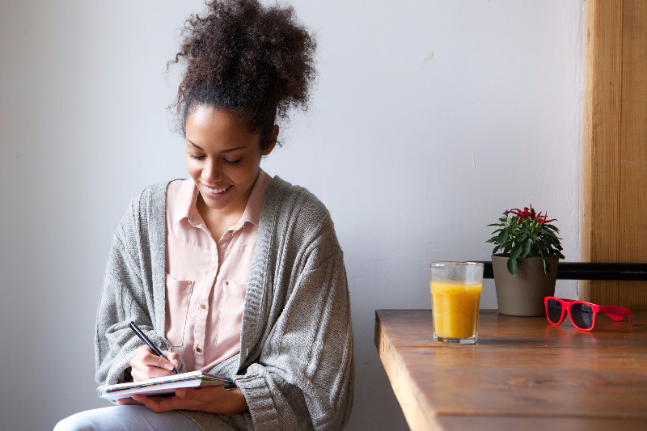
point(187, 198)
point(186, 204)
point(256, 200)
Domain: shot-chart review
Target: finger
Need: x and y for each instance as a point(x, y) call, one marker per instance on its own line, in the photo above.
point(136, 361)
point(137, 375)
point(151, 404)
point(153, 372)
point(172, 356)
point(187, 394)
point(159, 404)
point(127, 401)
point(145, 373)
point(156, 361)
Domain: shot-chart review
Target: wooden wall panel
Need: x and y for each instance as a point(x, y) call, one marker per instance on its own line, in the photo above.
point(613, 209)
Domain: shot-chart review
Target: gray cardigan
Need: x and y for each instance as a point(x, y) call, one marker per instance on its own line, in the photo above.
point(295, 366)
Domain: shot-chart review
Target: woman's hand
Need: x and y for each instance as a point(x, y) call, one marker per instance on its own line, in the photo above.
point(146, 365)
point(215, 399)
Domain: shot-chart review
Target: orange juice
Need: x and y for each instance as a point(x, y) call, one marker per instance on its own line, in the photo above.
point(455, 308)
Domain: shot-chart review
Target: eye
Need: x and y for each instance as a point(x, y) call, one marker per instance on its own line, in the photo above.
point(196, 157)
point(233, 162)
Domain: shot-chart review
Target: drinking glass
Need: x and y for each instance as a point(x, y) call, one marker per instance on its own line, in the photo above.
point(455, 294)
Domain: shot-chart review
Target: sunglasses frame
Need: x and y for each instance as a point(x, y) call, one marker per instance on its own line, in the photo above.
point(616, 313)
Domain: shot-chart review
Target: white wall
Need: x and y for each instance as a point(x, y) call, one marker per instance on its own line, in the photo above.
point(412, 158)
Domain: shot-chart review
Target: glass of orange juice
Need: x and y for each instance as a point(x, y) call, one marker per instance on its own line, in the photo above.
point(455, 294)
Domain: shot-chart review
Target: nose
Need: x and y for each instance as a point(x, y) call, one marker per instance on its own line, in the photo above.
point(212, 171)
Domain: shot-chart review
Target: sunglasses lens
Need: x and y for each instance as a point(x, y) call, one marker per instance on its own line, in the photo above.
point(554, 310)
point(582, 315)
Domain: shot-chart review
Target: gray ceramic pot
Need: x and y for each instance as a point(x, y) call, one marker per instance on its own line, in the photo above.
point(523, 294)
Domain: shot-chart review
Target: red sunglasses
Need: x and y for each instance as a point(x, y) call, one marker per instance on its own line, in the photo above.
point(583, 315)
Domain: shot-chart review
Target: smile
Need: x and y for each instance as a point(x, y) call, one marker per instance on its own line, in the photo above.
point(215, 191)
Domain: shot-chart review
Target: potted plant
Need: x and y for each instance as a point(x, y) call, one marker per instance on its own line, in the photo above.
point(524, 261)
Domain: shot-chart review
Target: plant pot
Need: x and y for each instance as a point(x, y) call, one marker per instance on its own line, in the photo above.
point(523, 294)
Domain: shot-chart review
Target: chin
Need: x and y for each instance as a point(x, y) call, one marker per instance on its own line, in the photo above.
point(216, 204)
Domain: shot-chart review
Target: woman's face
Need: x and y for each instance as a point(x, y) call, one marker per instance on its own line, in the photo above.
point(223, 157)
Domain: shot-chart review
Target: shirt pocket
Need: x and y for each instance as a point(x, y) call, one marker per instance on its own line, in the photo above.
point(178, 297)
point(231, 311)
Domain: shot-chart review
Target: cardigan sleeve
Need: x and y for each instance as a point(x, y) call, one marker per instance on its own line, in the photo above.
point(126, 296)
point(305, 371)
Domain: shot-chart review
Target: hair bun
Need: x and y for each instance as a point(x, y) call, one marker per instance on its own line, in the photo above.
point(254, 60)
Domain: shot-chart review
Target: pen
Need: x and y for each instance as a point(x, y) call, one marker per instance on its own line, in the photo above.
point(145, 339)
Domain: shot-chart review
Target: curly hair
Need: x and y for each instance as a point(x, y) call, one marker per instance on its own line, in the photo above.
point(252, 60)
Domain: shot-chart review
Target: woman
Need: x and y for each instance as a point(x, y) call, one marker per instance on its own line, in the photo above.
point(231, 271)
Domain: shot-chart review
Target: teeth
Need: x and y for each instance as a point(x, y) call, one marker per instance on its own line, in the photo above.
point(210, 190)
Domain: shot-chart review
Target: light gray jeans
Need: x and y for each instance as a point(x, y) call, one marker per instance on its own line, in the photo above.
point(126, 418)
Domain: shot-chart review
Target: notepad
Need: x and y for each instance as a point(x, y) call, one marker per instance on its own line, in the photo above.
point(163, 385)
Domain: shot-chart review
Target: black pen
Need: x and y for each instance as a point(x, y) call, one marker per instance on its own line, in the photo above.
point(145, 339)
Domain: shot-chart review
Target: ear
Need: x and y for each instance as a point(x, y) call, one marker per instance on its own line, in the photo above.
point(271, 140)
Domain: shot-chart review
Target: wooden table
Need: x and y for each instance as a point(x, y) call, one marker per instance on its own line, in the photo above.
point(523, 374)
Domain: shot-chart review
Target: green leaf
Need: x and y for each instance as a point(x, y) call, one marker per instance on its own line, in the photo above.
point(526, 247)
point(496, 249)
point(516, 251)
point(546, 268)
point(512, 266)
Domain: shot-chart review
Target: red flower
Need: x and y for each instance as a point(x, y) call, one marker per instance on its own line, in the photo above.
point(530, 212)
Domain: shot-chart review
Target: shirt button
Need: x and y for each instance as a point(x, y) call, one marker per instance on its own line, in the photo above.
point(198, 349)
point(213, 267)
point(227, 283)
point(203, 306)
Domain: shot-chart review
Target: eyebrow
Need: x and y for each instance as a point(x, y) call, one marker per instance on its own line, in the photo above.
point(228, 150)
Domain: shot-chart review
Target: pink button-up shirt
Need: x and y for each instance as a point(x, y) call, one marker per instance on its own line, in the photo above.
point(206, 280)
